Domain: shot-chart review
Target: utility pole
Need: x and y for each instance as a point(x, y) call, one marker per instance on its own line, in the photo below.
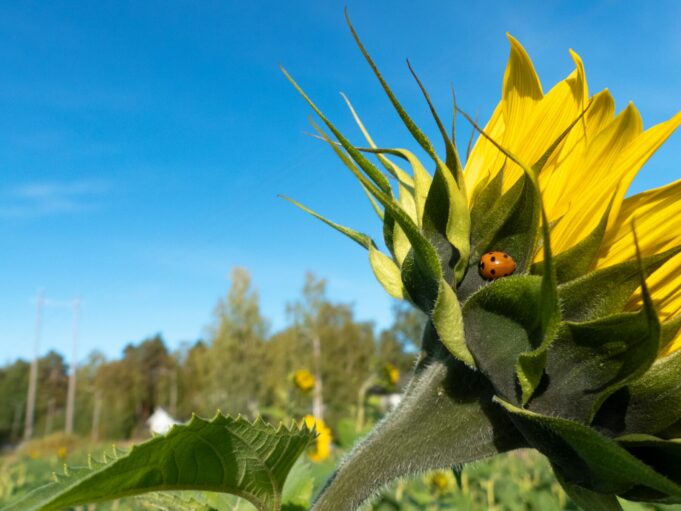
point(317, 399)
point(71, 395)
point(33, 377)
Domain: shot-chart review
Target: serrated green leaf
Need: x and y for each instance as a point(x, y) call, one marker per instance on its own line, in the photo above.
point(448, 321)
point(226, 455)
point(587, 458)
point(501, 322)
point(606, 291)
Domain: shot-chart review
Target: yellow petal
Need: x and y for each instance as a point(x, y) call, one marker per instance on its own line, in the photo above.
point(597, 177)
point(525, 121)
point(563, 173)
point(657, 216)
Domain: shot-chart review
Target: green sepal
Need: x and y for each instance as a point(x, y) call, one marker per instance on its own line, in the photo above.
point(606, 291)
point(501, 322)
point(356, 236)
point(587, 458)
point(421, 182)
point(251, 460)
point(385, 270)
point(530, 365)
point(663, 455)
point(452, 160)
point(649, 404)
point(448, 321)
point(399, 174)
point(420, 286)
point(389, 235)
point(518, 234)
point(578, 260)
point(418, 135)
point(488, 213)
point(446, 223)
point(425, 256)
point(586, 499)
point(587, 362)
point(446, 215)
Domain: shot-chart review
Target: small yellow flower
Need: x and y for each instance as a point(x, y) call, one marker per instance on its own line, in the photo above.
point(62, 452)
point(304, 380)
point(392, 373)
point(321, 449)
point(442, 482)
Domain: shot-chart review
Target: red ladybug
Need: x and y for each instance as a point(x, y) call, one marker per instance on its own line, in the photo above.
point(496, 264)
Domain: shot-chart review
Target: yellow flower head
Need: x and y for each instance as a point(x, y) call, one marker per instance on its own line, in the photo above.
point(321, 449)
point(585, 180)
point(392, 373)
point(62, 452)
point(553, 299)
point(442, 482)
point(304, 380)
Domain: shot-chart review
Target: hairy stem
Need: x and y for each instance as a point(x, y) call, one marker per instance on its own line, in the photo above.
point(445, 418)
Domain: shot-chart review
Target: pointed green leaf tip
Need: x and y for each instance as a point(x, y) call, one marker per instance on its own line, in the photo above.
point(250, 460)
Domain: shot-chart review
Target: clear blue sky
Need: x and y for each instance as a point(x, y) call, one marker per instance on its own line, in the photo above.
point(142, 144)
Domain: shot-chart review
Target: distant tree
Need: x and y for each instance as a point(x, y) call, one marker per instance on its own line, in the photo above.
point(400, 343)
point(13, 389)
point(237, 346)
point(193, 378)
point(339, 349)
point(51, 393)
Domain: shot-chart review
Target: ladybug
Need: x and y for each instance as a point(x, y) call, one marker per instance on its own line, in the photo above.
point(496, 264)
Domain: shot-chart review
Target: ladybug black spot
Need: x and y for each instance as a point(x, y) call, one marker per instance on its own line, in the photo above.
point(505, 256)
point(482, 266)
point(493, 272)
point(493, 259)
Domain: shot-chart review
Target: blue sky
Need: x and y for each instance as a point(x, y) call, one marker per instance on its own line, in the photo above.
point(142, 144)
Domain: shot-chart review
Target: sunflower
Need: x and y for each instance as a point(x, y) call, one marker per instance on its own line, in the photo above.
point(392, 373)
point(585, 180)
point(321, 450)
point(572, 347)
point(304, 380)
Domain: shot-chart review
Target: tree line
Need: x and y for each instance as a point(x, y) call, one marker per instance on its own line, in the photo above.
point(238, 368)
